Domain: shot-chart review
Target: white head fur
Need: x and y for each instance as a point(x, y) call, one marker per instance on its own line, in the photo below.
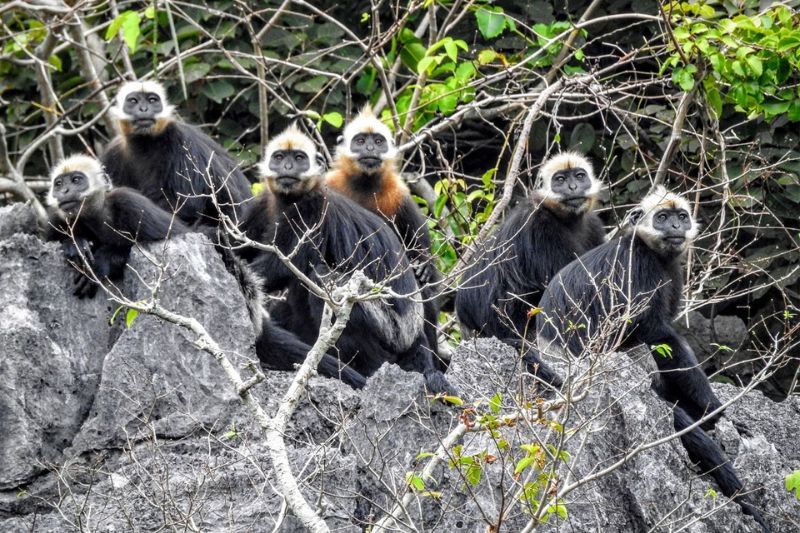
point(292, 138)
point(146, 87)
point(642, 216)
point(366, 122)
point(564, 161)
point(88, 165)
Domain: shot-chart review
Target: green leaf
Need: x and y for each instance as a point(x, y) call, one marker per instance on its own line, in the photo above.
point(714, 100)
point(473, 474)
point(495, 402)
point(116, 312)
point(523, 463)
point(664, 350)
point(311, 85)
point(451, 49)
point(150, 12)
point(415, 481)
point(333, 118)
point(130, 316)
point(55, 61)
point(425, 63)
point(755, 65)
point(491, 21)
point(218, 90)
point(257, 188)
point(452, 400)
point(131, 31)
point(126, 23)
point(486, 56)
point(792, 483)
point(196, 71)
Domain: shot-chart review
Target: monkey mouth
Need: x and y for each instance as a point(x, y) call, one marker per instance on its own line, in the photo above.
point(287, 182)
point(370, 162)
point(69, 205)
point(144, 123)
point(574, 202)
point(675, 240)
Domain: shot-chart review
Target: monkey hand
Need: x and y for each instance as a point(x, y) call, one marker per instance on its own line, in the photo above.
point(77, 250)
point(423, 271)
point(78, 254)
point(85, 287)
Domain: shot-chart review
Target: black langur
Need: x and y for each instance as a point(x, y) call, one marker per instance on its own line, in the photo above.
point(629, 289)
point(100, 222)
point(173, 163)
point(365, 171)
point(328, 237)
point(540, 236)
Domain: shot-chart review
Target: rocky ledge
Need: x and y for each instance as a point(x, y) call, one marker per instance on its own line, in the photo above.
point(110, 427)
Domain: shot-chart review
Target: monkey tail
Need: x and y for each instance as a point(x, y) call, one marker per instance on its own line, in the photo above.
point(712, 460)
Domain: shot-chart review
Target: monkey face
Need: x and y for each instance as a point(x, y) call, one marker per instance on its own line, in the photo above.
point(142, 109)
point(69, 190)
point(369, 149)
point(673, 227)
point(289, 171)
point(571, 186)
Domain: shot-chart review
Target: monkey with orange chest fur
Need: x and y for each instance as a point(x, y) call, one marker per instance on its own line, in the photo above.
point(365, 171)
point(328, 237)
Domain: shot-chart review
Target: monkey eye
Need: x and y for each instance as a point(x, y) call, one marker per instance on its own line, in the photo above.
point(682, 216)
point(360, 140)
point(132, 100)
point(560, 178)
point(580, 175)
point(279, 157)
point(299, 157)
point(152, 99)
point(662, 217)
point(58, 183)
point(76, 179)
point(379, 140)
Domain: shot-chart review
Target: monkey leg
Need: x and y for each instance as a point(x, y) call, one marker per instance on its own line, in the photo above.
point(280, 349)
point(712, 460)
point(682, 379)
point(533, 362)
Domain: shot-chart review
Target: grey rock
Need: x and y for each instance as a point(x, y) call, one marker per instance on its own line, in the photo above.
point(717, 343)
point(136, 429)
point(17, 218)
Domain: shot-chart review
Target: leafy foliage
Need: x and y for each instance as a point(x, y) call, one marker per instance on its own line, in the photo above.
point(749, 61)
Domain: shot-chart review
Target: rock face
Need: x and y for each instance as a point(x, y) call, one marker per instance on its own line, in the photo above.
point(113, 428)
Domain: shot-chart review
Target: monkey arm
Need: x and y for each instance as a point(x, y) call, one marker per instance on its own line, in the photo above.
point(412, 226)
point(136, 218)
point(682, 379)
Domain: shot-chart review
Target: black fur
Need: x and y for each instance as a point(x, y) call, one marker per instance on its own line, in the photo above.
point(170, 169)
point(592, 292)
point(507, 279)
point(107, 230)
point(412, 227)
point(348, 238)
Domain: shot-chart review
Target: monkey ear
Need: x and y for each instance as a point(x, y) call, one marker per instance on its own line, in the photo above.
point(634, 216)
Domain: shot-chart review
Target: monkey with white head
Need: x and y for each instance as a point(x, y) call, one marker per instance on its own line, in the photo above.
point(97, 223)
point(627, 292)
point(329, 237)
point(365, 170)
point(171, 162)
point(538, 237)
